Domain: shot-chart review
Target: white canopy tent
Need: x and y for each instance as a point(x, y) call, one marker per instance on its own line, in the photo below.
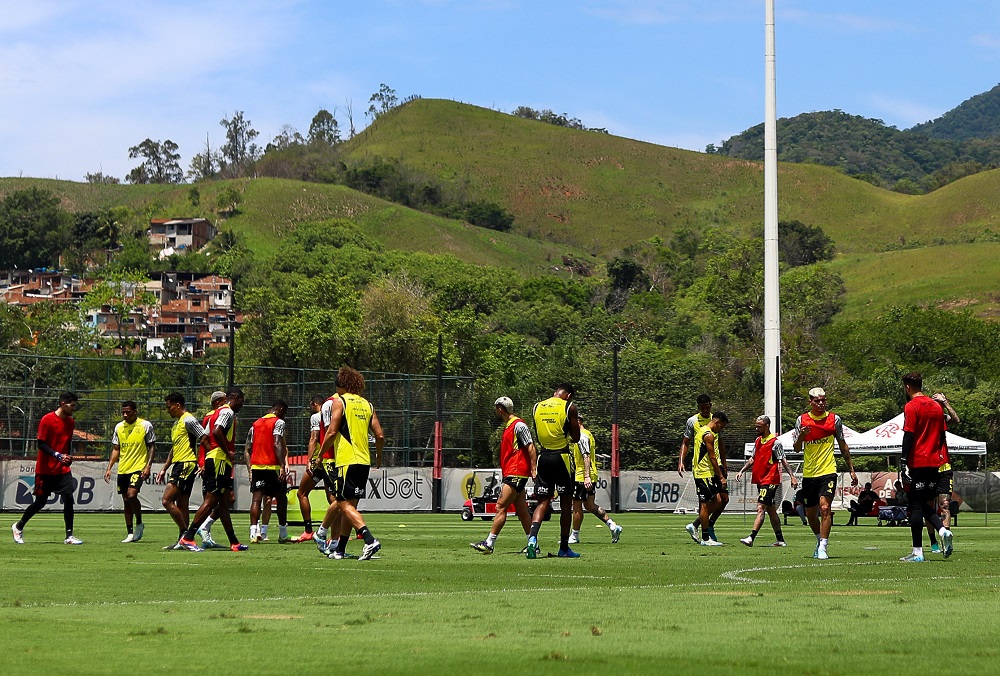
point(887, 439)
point(850, 436)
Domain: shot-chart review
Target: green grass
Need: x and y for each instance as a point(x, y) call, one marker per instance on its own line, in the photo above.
point(960, 276)
point(429, 604)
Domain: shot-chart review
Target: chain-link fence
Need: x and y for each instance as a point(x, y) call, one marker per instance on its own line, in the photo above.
point(406, 404)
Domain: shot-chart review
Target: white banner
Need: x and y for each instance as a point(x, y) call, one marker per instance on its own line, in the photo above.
point(389, 489)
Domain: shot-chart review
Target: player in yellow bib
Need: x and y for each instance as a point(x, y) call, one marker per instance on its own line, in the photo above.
point(185, 437)
point(132, 446)
point(710, 477)
point(557, 424)
point(584, 491)
point(352, 418)
point(693, 428)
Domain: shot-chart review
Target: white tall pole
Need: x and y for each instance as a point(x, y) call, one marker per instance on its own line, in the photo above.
point(772, 320)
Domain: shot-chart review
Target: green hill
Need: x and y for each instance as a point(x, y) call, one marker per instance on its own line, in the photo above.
point(272, 207)
point(975, 118)
point(602, 192)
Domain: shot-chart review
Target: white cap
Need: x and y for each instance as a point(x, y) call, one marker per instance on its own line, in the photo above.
point(505, 403)
point(218, 394)
point(817, 392)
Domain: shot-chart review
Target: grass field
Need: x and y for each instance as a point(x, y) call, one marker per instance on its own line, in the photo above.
point(655, 602)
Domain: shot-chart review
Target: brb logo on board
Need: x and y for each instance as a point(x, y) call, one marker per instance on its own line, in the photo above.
point(650, 491)
point(83, 487)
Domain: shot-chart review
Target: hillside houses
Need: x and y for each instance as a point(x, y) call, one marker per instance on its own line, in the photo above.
point(196, 309)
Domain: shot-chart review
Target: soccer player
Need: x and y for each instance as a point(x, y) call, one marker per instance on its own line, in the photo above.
point(814, 436)
point(584, 490)
point(317, 469)
point(946, 475)
point(710, 477)
point(517, 462)
point(351, 418)
point(132, 445)
point(216, 401)
point(186, 436)
point(52, 472)
point(267, 460)
point(692, 431)
point(556, 424)
point(218, 473)
point(766, 475)
point(923, 444)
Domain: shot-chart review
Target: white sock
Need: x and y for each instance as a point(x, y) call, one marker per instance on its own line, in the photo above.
point(253, 531)
point(263, 530)
point(491, 539)
point(918, 551)
point(575, 534)
point(282, 530)
point(943, 531)
point(611, 524)
point(207, 526)
point(334, 543)
point(321, 533)
point(823, 542)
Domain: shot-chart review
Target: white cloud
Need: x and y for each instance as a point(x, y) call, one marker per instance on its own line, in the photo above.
point(985, 40)
point(903, 113)
point(657, 12)
point(854, 23)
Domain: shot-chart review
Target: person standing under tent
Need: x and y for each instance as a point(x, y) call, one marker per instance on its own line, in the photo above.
point(584, 491)
point(556, 426)
point(351, 418)
point(766, 475)
point(132, 445)
point(205, 532)
point(185, 438)
point(218, 473)
point(267, 459)
point(692, 431)
point(518, 460)
point(52, 472)
point(923, 452)
point(814, 435)
point(710, 477)
point(315, 469)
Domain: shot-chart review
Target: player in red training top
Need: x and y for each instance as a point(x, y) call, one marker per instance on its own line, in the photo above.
point(517, 463)
point(52, 473)
point(766, 475)
point(923, 454)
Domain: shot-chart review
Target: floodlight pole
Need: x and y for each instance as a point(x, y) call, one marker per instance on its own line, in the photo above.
point(772, 320)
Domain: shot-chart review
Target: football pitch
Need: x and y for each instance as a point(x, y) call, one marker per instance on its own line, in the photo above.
point(654, 602)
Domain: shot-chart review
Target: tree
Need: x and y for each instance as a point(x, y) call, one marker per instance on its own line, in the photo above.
point(205, 165)
point(801, 244)
point(239, 152)
point(349, 111)
point(34, 229)
point(288, 137)
point(160, 163)
point(228, 199)
point(324, 129)
point(382, 101)
point(100, 178)
point(123, 296)
point(194, 196)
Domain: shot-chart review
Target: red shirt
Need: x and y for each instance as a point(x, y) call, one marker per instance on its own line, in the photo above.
point(58, 434)
point(924, 418)
point(513, 460)
point(208, 431)
point(765, 470)
point(262, 449)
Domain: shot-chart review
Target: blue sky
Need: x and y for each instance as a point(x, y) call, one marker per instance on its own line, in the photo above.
point(81, 81)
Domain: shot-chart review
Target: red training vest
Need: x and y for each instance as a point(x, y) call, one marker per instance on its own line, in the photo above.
point(513, 460)
point(765, 470)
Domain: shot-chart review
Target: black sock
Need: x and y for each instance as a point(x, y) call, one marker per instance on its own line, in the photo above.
point(342, 543)
point(705, 535)
point(696, 523)
point(933, 539)
point(129, 529)
point(367, 535)
point(753, 534)
point(309, 525)
point(777, 534)
point(535, 526)
point(138, 519)
point(231, 534)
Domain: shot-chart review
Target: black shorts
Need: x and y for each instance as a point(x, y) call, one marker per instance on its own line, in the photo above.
point(47, 484)
point(581, 492)
point(130, 480)
point(351, 482)
point(709, 488)
point(554, 474)
point(518, 483)
point(924, 485)
point(325, 473)
point(266, 480)
point(182, 476)
point(766, 494)
point(815, 487)
point(217, 477)
point(946, 482)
